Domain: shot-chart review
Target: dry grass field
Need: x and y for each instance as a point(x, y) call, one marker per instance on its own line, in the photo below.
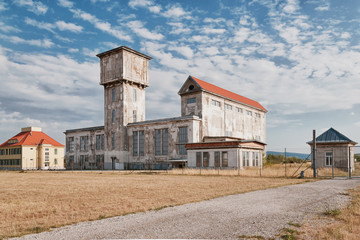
point(37, 201)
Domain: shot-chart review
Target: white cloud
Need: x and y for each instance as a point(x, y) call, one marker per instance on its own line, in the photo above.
point(3, 6)
point(73, 50)
point(140, 3)
point(179, 28)
point(324, 7)
point(66, 3)
point(184, 50)
point(291, 7)
point(33, 6)
point(138, 28)
point(68, 26)
point(8, 28)
point(42, 25)
point(208, 30)
point(101, 25)
point(45, 43)
point(175, 11)
point(242, 34)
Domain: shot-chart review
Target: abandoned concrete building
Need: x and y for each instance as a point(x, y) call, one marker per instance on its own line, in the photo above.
point(334, 149)
point(217, 128)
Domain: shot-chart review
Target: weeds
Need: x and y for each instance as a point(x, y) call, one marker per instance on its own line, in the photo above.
point(332, 212)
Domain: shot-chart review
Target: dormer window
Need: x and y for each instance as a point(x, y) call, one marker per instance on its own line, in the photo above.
point(12, 141)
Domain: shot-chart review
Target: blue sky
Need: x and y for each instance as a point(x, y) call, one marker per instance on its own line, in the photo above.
point(299, 59)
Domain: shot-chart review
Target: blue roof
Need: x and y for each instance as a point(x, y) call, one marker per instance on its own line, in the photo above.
point(332, 136)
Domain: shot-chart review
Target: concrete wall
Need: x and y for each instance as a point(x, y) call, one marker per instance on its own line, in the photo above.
point(173, 126)
point(91, 153)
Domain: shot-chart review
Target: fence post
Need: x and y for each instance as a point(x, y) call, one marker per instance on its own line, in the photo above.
point(285, 163)
point(314, 153)
point(333, 162)
point(349, 163)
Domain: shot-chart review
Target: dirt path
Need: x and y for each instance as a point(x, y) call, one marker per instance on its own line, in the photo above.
point(260, 213)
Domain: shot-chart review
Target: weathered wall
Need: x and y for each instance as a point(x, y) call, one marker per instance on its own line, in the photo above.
point(340, 155)
point(173, 138)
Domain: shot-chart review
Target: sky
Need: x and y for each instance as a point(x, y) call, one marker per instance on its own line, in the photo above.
point(299, 58)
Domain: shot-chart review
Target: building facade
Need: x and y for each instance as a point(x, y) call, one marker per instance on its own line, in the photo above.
point(31, 149)
point(126, 137)
point(333, 149)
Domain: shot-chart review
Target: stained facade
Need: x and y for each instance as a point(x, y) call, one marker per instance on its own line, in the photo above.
point(127, 137)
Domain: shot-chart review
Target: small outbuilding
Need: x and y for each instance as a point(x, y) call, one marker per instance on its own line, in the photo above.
point(334, 149)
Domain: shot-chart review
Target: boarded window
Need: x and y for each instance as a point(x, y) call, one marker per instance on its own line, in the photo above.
point(206, 157)
point(183, 139)
point(224, 157)
point(198, 159)
point(217, 159)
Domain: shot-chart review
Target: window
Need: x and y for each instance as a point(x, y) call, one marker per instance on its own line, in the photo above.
point(198, 159)
point(257, 159)
point(161, 141)
point(217, 159)
point(113, 141)
point(47, 155)
point(328, 159)
point(228, 107)
point(206, 157)
point(239, 110)
point(134, 116)
point(183, 139)
point(70, 161)
point(249, 113)
point(84, 143)
point(228, 133)
point(134, 95)
point(247, 158)
point(224, 156)
point(191, 100)
point(215, 103)
point(253, 159)
point(113, 116)
point(100, 142)
point(138, 143)
point(257, 115)
point(55, 161)
point(244, 159)
point(70, 144)
point(55, 151)
point(113, 94)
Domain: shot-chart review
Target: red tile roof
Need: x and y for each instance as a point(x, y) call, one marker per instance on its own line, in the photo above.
point(31, 138)
point(225, 93)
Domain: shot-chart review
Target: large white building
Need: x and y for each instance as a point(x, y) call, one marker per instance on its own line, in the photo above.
point(217, 128)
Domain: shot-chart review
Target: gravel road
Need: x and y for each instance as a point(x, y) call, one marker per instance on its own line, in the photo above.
point(260, 213)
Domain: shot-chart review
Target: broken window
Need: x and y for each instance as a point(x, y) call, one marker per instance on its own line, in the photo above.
point(183, 139)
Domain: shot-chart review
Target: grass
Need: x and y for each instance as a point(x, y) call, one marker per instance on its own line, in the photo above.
point(31, 202)
point(336, 224)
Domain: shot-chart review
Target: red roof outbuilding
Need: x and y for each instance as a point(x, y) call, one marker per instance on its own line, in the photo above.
point(31, 138)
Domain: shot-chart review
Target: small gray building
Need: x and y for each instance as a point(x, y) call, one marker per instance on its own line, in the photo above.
point(333, 148)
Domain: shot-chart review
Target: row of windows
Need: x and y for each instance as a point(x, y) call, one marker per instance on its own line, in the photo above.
point(85, 158)
point(10, 151)
point(113, 116)
point(230, 108)
point(220, 159)
point(10, 162)
point(161, 141)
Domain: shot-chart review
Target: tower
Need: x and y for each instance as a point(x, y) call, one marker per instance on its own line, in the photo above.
point(124, 73)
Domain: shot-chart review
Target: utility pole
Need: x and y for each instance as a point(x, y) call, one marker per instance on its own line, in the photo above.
point(314, 152)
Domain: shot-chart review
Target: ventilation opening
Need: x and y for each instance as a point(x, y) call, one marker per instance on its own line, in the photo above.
point(191, 87)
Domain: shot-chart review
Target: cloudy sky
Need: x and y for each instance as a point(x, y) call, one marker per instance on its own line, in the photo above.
point(298, 58)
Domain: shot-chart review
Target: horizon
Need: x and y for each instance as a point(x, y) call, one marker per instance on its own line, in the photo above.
point(298, 59)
